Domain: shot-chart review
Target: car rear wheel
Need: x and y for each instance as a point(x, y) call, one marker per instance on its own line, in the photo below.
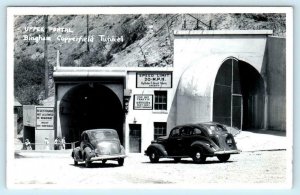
point(154, 158)
point(177, 159)
point(198, 156)
point(121, 161)
point(223, 157)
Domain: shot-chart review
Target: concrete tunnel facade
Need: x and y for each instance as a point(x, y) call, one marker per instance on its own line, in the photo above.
point(223, 76)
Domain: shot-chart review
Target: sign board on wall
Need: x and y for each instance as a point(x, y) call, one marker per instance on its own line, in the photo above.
point(154, 79)
point(143, 102)
point(44, 118)
point(29, 117)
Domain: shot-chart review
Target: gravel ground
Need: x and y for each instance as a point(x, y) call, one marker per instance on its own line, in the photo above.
point(245, 168)
point(263, 160)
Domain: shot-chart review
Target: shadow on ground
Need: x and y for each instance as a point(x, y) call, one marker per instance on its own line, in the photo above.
point(19, 155)
point(97, 165)
point(187, 162)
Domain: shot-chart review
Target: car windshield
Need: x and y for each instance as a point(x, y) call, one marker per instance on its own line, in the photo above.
point(217, 128)
point(101, 135)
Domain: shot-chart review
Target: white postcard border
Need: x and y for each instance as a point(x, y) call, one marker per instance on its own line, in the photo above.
point(11, 11)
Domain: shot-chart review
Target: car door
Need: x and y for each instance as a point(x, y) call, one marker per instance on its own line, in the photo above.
point(175, 143)
point(82, 145)
point(186, 139)
point(198, 134)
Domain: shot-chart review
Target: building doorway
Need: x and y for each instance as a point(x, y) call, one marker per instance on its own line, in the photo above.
point(90, 106)
point(239, 94)
point(29, 133)
point(135, 138)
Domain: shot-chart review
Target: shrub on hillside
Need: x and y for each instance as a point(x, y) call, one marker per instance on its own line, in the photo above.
point(131, 32)
point(28, 80)
point(70, 61)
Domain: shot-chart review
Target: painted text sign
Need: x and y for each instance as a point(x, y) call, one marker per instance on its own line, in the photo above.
point(154, 79)
point(143, 102)
point(44, 118)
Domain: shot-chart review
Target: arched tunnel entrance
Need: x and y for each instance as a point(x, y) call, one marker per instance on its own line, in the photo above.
point(239, 95)
point(90, 106)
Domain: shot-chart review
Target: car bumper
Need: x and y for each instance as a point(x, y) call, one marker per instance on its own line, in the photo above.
point(107, 157)
point(227, 152)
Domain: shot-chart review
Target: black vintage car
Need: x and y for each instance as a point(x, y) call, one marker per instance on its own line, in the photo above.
point(197, 141)
point(99, 145)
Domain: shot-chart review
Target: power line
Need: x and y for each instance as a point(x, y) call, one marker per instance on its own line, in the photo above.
point(209, 26)
point(159, 30)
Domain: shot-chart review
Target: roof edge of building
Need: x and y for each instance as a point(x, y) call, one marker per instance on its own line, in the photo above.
point(223, 32)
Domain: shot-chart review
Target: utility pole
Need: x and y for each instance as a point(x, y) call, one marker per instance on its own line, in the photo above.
point(210, 27)
point(46, 56)
point(87, 33)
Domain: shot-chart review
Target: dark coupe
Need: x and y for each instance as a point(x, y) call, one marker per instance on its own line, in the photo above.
point(197, 141)
point(99, 145)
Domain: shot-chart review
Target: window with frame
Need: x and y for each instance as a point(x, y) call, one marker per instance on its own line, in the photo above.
point(160, 129)
point(160, 100)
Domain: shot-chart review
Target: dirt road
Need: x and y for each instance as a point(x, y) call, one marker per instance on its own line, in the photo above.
point(245, 168)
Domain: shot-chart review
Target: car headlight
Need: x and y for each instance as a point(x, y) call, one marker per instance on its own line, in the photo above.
point(229, 141)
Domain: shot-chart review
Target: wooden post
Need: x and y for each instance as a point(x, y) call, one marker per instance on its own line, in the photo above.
point(87, 33)
point(46, 56)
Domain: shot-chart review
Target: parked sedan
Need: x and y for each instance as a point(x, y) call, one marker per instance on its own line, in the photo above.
point(197, 141)
point(99, 145)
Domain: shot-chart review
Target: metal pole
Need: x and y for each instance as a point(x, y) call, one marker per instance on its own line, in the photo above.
point(242, 112)
point(231, 92)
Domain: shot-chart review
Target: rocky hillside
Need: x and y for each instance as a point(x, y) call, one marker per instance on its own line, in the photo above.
point(121, 40)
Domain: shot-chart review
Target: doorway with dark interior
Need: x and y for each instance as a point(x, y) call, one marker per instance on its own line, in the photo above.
point(239, 95)
point(135, 138)
point(90, 106)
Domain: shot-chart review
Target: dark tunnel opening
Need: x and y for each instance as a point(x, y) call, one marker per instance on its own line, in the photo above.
point(90, 107)
point(239, 96)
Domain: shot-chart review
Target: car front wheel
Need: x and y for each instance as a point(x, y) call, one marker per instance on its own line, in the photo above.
point(75, 162)
point(121, 161)
point(153, 157)
point(87, 162)
point(198, 156)
point(223, 157)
